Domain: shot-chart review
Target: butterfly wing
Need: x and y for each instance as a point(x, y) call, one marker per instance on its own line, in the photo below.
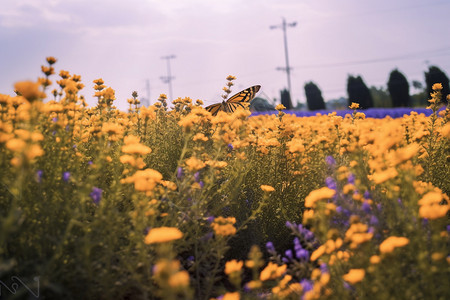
point(214, 109)
point(244, 96)
point(235, 101)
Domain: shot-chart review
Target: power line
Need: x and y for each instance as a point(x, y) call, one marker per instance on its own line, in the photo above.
point(377, 60)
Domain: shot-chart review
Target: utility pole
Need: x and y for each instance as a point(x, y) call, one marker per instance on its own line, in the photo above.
point(168, 79)
point(283, 26)
point(146, 102)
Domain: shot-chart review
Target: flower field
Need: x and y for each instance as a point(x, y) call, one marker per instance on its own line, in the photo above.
point(159, 203)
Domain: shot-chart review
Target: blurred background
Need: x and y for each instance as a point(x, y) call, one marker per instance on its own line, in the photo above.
point(187, 48)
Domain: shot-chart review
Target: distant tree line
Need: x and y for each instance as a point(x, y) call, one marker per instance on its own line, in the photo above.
point(397, 93)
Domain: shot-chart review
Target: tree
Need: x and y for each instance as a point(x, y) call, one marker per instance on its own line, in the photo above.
point(358, 92)
point(260, 104)
point(398, 88)
point(380, 97)
point(286, 99)
point(435, 75)
point(314, 97)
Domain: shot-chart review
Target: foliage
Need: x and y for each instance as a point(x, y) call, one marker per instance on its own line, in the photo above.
point(358, 92)
point(286, 99)
point(314, 97)
point(380, 97)
point(179, 204)
point(398, 88)
point(436, 75)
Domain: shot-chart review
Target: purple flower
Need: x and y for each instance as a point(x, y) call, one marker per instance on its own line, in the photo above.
point(366, 195)
point(55, 119)
point(331, 184)
point(323, 268)
point(289, 224)
point(351, 178)
point(202, 184)
point(302, 254)
point(197, 176)
point(270, 247)
point(180, 172)
point(366, 207)
point(66, 176)
point(230, 147)
point(288, 253)
point(39, 174)
point(206, 237)
point(96, 194)
point(373, 220)
point(330, 160)
point(210, 219)
point(306, 284)
point(297, 245)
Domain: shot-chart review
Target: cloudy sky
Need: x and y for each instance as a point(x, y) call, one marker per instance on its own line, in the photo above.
point(123, 42)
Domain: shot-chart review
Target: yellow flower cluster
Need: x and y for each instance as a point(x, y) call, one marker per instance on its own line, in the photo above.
point(392, 242)
point(144, 180)
point(317, 195)
point(357, 234)
point(163, 235)
point(224, 226)
point(432, 207)
point(267, 188)
point(272, 271)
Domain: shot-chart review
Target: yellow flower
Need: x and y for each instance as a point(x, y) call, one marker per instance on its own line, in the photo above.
point(144, 180)
point(272, 271)
point(382, 176)
point(200, 137)
point(354, 275)
point(114, 131)
point(136, 149)
point(34, 151)
point(431, 207)
point(437, 86)
point(280, 107)
point(320, 194)
point(253, 284)
point(267, 188)
point(51, 60)
point(375, 259)
point(392, 242)
point(233, 266)
point(231, 296)
point(354, 105)
point(16, 145)
point(194, 164)
point(179, 279)
point(318, 253)
point(29, 90)
point(231, 78)
point(163, 235)
point(224, 226)
point(433, 211)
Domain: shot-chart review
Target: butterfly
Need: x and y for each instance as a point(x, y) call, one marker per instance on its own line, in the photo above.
point(234, 101)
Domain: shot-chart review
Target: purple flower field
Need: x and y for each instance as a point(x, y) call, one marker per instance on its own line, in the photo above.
point(377, 113)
